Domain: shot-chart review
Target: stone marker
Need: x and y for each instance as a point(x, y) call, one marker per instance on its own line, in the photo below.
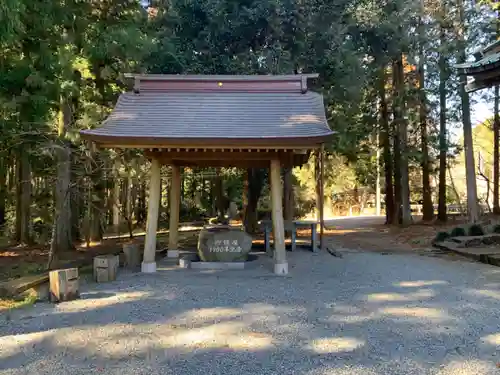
point(224, 244)
point(105, 268)
point(64, 285)
point(132, 253)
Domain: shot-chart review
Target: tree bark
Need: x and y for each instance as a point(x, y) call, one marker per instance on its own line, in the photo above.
point(3, 190)
point(317, 173)
point(443, 144)
point(96, 232)
point(61, 232)
point(496, 153)
point(402, 130)
point(288, 201)
point(116, 195)
point(23, 207)
point(496, 138)
point(255, 185)
point(386, 145)
point(219, 196)
point(397, 218)
point(470, 166)
point(427, 206)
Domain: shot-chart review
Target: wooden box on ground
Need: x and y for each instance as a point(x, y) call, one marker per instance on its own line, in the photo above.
point(64, 285)
point(132, 251)
point(105, 268)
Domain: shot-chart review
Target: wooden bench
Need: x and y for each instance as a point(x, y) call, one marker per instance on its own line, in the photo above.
point(291, 227)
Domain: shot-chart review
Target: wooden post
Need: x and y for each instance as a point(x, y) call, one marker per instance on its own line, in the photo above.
point(175, 200)
point(148, 262)
point(321, 196)
point(280, 263)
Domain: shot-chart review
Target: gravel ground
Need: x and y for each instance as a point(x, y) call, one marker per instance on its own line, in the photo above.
point(363, 314)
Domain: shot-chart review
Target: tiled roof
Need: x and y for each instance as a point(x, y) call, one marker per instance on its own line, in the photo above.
point(169, 117)
point(488, 62)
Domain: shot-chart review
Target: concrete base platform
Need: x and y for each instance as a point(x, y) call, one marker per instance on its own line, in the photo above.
point(218, 265)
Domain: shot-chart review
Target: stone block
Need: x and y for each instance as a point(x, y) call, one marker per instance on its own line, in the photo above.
point(64, 285)
point(106, 268)
point(184, 263)
point(224, 244)
point(132, 253)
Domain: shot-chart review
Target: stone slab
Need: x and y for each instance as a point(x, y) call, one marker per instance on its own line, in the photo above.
point(14, 287)
point(218, 265)
point(64, 285)
point(477, 253)
point(494, 259)
point(477, 241)
point(105, 268)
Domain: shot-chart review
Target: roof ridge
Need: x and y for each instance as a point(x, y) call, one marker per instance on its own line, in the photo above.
point(232, 83)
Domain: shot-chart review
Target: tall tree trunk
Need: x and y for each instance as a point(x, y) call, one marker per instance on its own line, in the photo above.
point(244, 198)
point(96, 232)
point(318, 184)
point(496, 153)
point(255, 184)
point(288, 201)
point(402, 130)
point(470, 166)
point(23, 211)
point(61, 240)
point(128, 203)
point(496, 137)
point(386, 145)
point(396, 219)
point(219, 196)
point(3, 190)
point(443, 144)
point(77, 202)
point(116, 195)
point(428, 207)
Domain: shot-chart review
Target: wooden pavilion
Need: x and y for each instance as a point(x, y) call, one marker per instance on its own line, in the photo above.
point(485, 71)
point(216, 121)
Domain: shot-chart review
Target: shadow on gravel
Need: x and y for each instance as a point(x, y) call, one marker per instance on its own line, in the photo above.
point(346, 321)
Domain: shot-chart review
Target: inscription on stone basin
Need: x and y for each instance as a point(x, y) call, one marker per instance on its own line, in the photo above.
point(228, 246)
point(224, 244)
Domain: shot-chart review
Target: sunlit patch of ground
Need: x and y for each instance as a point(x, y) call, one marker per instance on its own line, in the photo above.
point(335, 345)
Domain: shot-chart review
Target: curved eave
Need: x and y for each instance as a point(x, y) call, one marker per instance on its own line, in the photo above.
point(108, 141)
point(485, 65)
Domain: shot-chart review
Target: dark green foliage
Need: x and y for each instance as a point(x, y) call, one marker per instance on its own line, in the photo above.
point(458, 232)
point(476, 230)
point(441, 236)
point(496, 228)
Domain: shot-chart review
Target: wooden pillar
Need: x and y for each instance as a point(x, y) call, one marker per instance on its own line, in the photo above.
point(280, 262)
point(321, 196)
point(148, 262)
point(175, 201)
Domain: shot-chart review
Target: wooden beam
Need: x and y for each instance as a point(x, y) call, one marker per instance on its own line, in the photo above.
point(191, 155)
